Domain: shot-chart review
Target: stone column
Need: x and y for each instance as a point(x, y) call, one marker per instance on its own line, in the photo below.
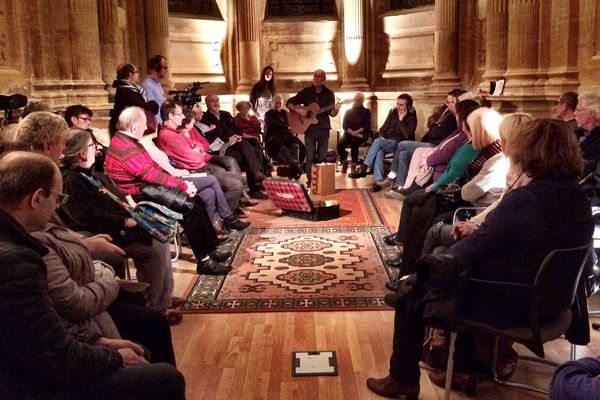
point(85, 47)
point(445, 75)
point(354, 63)
point(523, 42)
point(108, 26)
point(563, 73)
point(249, 15)
point(496, 41)
point(157, 32)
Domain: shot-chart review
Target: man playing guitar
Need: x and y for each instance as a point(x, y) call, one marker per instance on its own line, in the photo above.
point(317, 135)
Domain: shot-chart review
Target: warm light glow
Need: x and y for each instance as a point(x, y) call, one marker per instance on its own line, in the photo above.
point(352, 48)
point(353, 30)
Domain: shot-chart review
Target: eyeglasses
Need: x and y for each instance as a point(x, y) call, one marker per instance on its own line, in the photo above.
point(177, 114)
point(87, 119)
point(61, 198)
point(94, 145)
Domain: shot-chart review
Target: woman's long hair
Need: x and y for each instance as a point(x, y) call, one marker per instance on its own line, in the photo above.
point(263, 85)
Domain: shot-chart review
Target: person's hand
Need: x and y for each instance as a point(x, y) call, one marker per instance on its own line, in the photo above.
point(401, 114)
point(101, 242)
point(428, 189)
point(131, 359)
point(233, 139)
point(130, 223)
point(116, 344)
point(191, 189)
point(462, 229)
point(301, 110)
point(181, 172)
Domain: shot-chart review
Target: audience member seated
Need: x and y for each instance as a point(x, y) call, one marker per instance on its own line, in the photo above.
point(441, 236)
point(399, 125)
point(576, 380)
point(356, 128)
point(178, 146)
point(158, 68)
point(248, 123)
point(34, 106)
point(45, 133)
point(40, 357)
point(564, 109)
point(421, 207)
point(85, 294)
point(81, 117)
point(128, 93)
point(130, 167)
point(90, 210)
point(428, 164)
point(282, 145)
point(440, 125)
point(587, 116)
point(228, 137)
point(509, 246)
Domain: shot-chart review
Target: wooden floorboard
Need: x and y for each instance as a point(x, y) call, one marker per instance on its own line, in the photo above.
point(248, 356)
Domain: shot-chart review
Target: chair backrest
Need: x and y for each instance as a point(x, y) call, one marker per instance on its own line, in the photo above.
point(557, 279)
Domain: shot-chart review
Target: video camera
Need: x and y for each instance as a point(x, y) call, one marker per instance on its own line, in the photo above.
point(188, 96)
point(11, 103)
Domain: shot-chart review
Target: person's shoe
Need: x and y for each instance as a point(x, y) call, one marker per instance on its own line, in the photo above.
point(233, 223)
point(388, 387)
point(391, 298)
point(221, 239)
point(385, 182)
point(211, 267)
point(177, 302)
point(248, 202)
point(220, 256)
point(392, 285)
point(361, 172)
point(259, 194)
point(344, 166)
point(392, 240)
point(411, 189)
point(394, 262)
point(370, 171)
point(173, 317)
point(241, 213)
point(376, 188)
point(394, 194)
point(218, 226)
point(466, 383)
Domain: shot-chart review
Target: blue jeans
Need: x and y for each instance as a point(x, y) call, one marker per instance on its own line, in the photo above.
point(401, 162)
point(315, 145)
point(376, 153)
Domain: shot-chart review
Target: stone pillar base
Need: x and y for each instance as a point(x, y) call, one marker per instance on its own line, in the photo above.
point(520, 82)
point(537, 105)
point(355, 85)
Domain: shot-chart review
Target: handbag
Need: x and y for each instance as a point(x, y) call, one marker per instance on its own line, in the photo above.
point(172, 198)
point(448, 197)
point(159, 221)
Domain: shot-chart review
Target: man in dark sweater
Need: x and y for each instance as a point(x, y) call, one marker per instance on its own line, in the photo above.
point(316, 137)
point(39, 358)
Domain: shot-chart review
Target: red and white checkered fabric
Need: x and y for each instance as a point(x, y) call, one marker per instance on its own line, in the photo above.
point(288, 195)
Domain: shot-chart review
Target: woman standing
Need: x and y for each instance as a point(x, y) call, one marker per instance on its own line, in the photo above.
point(261, 96)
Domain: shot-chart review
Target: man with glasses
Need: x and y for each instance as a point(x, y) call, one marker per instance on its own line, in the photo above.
point(40, 358)
point(79, 116)
point(158, 68)
point(564, 109)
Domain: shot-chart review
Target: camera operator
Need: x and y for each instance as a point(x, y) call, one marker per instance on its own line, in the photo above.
point(129, 93)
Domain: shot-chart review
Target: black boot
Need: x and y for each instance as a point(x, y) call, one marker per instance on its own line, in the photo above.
point(361, 172)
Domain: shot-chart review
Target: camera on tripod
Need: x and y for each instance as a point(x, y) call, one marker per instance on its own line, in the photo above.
point(188, 96)
point(9, 104)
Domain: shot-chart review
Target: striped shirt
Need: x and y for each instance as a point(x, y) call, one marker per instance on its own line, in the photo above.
point(130, 166)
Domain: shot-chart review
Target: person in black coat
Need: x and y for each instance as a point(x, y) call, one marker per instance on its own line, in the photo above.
point(129, 93)
point(551, 212)
point(39, 358)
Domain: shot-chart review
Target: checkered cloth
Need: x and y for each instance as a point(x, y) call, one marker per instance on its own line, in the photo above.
point(288, 195)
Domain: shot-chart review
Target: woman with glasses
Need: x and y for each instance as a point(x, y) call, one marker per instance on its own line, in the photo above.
point(92, 211)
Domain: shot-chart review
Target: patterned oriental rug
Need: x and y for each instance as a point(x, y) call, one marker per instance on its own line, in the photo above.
point(357, 208)
point(299, 269)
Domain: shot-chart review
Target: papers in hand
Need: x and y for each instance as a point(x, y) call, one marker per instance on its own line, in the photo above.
point(196, 175)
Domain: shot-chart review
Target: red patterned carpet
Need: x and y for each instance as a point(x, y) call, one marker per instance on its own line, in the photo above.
point(299, 269)
point(357, 208)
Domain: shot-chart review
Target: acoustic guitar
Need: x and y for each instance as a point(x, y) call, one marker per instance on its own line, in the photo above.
point(299, 124)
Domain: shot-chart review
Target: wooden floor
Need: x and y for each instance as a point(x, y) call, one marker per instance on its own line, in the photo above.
point(248, 356)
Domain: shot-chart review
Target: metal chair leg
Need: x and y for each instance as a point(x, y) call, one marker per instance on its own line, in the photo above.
point(450, 366)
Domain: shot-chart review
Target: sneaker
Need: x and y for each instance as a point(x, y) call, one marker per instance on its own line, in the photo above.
point(361, 172)
point(211, 267)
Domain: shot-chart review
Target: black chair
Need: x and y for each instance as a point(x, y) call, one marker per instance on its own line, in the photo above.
point(552, 293)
